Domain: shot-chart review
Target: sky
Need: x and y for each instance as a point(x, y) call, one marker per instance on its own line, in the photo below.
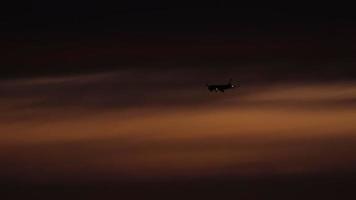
point(108, 100)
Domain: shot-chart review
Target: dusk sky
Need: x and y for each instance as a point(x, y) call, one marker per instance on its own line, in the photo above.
point(108, 101)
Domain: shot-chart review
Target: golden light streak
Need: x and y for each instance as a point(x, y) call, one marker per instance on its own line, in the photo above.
point(185, 140)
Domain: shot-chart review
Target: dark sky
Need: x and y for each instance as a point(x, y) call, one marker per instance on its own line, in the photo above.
point(109, 99)
point(59, 36)
point(179, 15)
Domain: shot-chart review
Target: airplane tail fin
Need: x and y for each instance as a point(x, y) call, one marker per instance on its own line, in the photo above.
point(237, 84)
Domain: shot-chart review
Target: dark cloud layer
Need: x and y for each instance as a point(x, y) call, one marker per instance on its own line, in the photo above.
point(309, 55)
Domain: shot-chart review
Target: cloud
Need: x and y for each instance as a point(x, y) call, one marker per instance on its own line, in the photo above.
point(179, 87)
point(312, 95)
point(125, 123)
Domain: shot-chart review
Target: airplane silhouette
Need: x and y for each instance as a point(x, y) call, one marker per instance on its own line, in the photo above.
point(222, 87)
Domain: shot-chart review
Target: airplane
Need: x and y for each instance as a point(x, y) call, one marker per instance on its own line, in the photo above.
point(222, 87)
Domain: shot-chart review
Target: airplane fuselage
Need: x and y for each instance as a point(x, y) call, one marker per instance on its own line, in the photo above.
point(220, 88)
